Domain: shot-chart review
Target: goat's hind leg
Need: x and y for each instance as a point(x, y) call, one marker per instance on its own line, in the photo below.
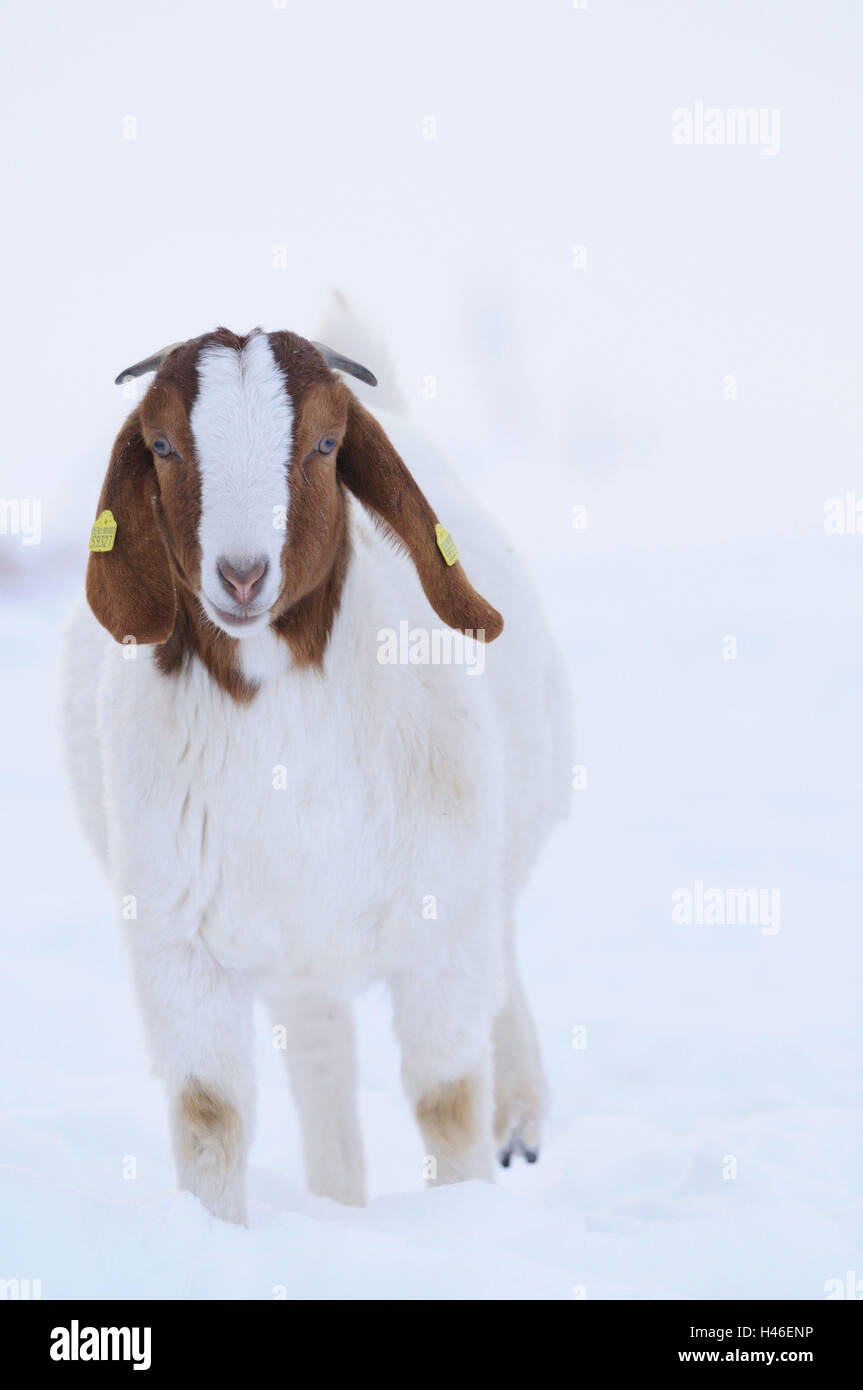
point(520, 1093)
point(317, 1034)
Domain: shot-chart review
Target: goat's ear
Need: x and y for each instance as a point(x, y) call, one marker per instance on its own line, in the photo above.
point(129, 587)
point(375, 474)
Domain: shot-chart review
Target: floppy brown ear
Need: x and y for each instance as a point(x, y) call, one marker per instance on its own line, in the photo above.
point(375, 474)
point(130, 588)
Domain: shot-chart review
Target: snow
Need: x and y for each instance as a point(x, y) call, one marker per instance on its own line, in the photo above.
point(710, 1050)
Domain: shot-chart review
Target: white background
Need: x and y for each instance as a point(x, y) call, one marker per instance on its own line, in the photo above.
point(305, 128)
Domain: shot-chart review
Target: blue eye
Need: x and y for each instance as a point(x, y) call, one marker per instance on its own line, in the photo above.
point(162, 448)
point(326, 445)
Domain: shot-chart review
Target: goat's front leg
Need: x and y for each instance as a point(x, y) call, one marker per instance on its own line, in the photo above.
point(198, 1018)
point(444, 1028)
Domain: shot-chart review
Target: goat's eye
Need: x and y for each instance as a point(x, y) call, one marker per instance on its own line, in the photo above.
point(326, 445)
point(162, 448)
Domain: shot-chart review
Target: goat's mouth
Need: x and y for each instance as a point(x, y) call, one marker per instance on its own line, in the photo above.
point(236, 622)
point(241, 619)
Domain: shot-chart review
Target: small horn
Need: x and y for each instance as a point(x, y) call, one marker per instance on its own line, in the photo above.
point(149, 364)
point(345, 364)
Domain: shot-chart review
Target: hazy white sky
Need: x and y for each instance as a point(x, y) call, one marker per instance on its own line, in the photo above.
point(306, 128)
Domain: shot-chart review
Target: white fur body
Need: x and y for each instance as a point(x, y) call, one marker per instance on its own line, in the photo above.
point(368, 822)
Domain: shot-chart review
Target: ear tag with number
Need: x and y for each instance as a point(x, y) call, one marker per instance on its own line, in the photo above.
point(445, 544)
point(103, 532)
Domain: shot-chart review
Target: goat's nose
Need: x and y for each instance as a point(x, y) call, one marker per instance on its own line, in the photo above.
point(243, 577)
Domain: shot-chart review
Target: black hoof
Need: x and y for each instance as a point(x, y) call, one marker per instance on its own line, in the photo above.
point(517, 1147)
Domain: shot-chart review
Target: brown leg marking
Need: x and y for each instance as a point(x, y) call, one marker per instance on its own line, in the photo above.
point(211, 1128)
point(448, 1115)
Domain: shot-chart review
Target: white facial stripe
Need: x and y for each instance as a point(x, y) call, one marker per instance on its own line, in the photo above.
point(242, 425)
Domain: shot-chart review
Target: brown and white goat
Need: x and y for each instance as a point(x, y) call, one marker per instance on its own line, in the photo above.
point(293, 814)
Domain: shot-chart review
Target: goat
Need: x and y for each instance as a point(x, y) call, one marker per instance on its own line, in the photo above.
point(290, 817)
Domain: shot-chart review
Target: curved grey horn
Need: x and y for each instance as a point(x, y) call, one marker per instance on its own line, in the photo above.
point(344, 364)
point(149, 364)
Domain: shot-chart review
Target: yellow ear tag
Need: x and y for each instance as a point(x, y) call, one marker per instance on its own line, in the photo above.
point(445, 544)
point(103, 532)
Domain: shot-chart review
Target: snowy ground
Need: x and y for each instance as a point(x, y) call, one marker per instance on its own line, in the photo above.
point(706, 1135)
point(703, 1044)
